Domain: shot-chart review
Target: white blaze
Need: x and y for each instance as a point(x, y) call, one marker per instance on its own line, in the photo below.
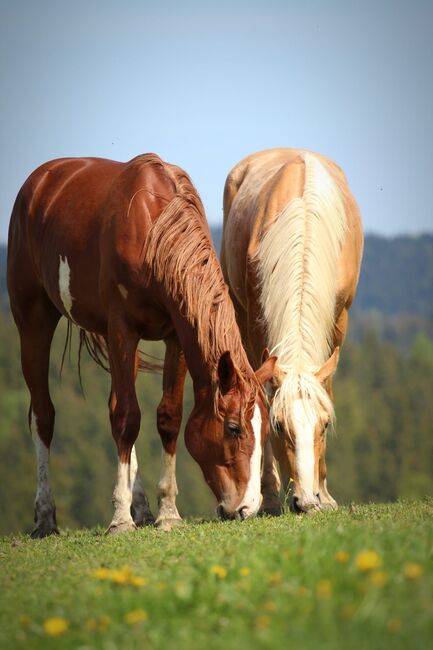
point(64, 285)
point(253, 498)
point(304, 423)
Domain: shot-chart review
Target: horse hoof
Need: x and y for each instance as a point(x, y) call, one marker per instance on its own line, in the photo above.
point(118, 529)
point(169, 524)
point(43, 530)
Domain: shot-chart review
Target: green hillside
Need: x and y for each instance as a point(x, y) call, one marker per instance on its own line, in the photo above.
point(360, 578)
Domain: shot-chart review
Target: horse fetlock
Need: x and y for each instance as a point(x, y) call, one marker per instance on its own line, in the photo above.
point(119, 527)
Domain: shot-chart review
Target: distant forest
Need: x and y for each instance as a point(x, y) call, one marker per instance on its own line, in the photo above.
point(382, 448)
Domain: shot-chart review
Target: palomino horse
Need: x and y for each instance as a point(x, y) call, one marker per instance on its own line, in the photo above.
point(123, 251)
point(291, 253)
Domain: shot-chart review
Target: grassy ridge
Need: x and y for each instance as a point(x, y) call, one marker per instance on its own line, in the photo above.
point(299, 582)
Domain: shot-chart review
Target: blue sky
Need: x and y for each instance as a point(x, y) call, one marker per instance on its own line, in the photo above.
point(204, 84)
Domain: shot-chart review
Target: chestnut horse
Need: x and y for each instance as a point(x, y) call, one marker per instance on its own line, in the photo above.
point(291, 253)
point(123, 251)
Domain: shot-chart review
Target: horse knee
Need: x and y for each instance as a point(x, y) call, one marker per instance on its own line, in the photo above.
point(125, 426)
point(168, 424)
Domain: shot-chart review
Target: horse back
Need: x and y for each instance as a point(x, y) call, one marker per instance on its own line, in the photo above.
point(85, 218)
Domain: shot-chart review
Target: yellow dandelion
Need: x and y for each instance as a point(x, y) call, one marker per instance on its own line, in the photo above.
point(378, 578)
point(120, 576)
point(55, 626)
point(300, 552)
point(342, 557)
point(394, 625)
point(368, 561)
point(262, 622)
point(275, 578)
point(136, 616)
point(101, 574)
point(138, 581)
point(413, 571)
point(244, 571)
point(218, 571)
point(24, 620)
point(324, 589)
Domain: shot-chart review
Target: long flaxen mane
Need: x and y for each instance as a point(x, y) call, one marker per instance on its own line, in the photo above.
point(180, 255)
point(297, 261)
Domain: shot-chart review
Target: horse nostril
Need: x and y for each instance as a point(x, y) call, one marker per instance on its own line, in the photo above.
point(295, 504)
point(241, 513)
point(318, 497)
point(221, 512)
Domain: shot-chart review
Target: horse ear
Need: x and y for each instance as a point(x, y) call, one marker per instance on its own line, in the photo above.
point(266, 370)
point(226, 373)
point(329, 367)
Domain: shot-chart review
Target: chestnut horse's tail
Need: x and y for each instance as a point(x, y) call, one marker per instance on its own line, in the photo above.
point(98, 351)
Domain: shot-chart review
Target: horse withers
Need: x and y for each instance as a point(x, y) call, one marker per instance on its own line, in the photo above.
point(123, 251)
point(291, 253)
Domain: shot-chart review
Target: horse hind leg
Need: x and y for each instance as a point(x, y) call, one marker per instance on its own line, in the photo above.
point(36, 333)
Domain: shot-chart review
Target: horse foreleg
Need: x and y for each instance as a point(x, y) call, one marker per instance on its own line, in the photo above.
point(36, 335)
point(169, 417)
point(125, 419)
point(327, 502)
point(140, 509)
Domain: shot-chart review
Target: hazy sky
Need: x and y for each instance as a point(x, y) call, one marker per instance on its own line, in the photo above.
point(204, 84)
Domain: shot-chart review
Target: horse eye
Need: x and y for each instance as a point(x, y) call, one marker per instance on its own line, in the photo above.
point(233, 428)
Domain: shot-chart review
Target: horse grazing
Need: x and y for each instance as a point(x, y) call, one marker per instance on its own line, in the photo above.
point(291, 253)
point(123, 251)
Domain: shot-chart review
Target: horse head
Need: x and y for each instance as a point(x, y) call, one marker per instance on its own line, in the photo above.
point(300, 414)
point(225, 434)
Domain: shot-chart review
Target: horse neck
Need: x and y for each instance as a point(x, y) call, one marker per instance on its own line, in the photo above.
point(202, 360)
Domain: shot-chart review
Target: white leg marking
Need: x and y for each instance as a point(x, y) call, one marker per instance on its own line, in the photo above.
point(167, 488)
point(253, 498)
point(304, 423)
point(44, 502)
point(122, 500)
point(64, 285)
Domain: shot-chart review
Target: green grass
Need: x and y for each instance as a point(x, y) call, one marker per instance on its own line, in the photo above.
point(280, 585)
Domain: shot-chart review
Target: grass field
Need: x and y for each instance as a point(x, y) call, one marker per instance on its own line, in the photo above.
point(357, 578)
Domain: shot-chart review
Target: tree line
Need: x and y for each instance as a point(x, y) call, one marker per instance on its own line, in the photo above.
point(382, 448)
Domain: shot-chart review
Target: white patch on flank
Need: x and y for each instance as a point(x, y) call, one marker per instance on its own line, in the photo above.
point(123, 291)
point(253, 498)
point(64, 284)
point(304, 423)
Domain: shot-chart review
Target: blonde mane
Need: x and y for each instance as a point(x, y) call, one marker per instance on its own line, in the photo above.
point(297, 261)
point(180, 255)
